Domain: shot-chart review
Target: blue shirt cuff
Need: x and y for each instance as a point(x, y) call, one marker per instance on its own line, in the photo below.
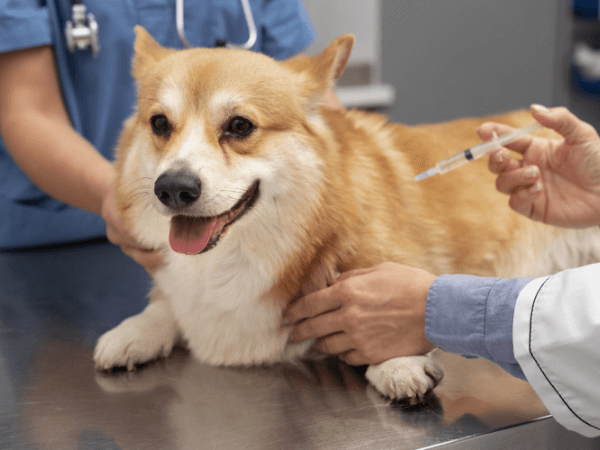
point(473, 316)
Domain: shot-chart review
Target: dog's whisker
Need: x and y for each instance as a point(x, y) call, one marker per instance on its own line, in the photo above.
point(278, 217)
point(136, 196)
point(140, 189)
point(138, 180)
point(145, 208)
point(145, 186)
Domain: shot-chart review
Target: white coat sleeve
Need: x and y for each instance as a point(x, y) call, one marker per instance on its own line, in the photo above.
point(556, 340)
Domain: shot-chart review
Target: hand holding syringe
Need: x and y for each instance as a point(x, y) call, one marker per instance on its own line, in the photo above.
point(475, 152)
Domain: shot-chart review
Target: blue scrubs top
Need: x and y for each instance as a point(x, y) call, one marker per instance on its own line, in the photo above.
point(99, 92)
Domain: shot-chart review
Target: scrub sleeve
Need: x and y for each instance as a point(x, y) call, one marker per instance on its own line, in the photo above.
point(28, 217)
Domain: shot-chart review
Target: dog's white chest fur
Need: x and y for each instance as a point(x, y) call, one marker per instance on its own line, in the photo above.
point(225, 309)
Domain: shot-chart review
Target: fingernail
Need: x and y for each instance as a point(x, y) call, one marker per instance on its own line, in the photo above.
point(332, 277)
point(539, 108)
point(500, 157)
point(531, 173)
point(537, 187)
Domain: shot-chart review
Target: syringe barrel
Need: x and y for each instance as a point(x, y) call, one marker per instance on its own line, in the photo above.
point(452, 162)
point(479, 150)
point(483, 149)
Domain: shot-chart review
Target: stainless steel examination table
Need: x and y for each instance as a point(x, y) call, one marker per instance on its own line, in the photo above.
point(55, 302)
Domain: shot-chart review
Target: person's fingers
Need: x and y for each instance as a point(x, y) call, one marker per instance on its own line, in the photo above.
point(334, 344)
point(564, 122)
point(349, 274)
point(114, 237)
point(487, 129)
point(118, 234)
point(122, 240)
point(524, 202)
point(501, 161)
point(316, 327)
point(149, 259)
point(354, 358)
point(312, 305)
point(511, 181)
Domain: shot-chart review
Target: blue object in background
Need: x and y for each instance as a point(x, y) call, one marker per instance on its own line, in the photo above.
point(583, 84)
point(585, 9)
point(585, 65)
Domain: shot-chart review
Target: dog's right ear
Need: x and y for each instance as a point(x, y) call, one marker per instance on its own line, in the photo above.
point(147, 52)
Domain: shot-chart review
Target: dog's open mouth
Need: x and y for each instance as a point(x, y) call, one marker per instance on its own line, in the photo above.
point(192, 235)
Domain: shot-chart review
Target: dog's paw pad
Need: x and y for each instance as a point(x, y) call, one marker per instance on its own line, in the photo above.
point(406, 378)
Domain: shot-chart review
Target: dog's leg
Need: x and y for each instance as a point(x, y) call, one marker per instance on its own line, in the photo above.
point(407, 377)
point(139, 339)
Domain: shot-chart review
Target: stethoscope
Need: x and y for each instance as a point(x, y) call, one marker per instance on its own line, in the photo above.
point(82, 32)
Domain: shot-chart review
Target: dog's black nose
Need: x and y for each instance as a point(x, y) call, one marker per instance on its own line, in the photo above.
point(177, 189)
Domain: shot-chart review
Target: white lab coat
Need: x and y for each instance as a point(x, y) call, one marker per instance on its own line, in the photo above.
point(556, 340)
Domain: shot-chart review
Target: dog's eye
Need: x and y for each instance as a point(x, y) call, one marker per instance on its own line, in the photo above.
point(240, 127)
point(160, 125)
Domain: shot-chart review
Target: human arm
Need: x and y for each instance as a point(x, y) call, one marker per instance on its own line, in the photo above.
point(37, 131)
point(556, 181)
point(370, 315)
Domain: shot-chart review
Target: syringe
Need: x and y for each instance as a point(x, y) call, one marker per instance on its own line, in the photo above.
point(475, 152)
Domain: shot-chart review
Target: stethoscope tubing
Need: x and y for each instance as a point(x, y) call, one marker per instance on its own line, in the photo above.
point(91, 30)
point(252, 33)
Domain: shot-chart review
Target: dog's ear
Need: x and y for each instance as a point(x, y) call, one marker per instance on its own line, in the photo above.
point(147, 52)
point(325, 68)
point(331, 62)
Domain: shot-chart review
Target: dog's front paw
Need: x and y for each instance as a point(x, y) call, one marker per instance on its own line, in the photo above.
point(137, 340)
point(408, 377)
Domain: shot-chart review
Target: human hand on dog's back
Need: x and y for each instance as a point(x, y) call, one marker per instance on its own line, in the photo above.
point(557, 181)
point(367, 316)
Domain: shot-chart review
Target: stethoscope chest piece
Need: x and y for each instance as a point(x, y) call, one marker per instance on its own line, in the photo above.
point(80, 33)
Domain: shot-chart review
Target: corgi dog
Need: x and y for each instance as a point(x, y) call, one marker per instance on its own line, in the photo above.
point(255, 194)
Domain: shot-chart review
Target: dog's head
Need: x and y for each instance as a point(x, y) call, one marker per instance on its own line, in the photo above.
point(221, 132)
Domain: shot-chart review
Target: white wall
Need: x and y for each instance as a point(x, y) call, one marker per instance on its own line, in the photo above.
point(360, 17)
point(363, 19)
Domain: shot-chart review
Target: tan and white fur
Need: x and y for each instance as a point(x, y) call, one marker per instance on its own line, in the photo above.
point(330, 198)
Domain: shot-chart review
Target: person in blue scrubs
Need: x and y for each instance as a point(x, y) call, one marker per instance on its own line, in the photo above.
point(61, 112)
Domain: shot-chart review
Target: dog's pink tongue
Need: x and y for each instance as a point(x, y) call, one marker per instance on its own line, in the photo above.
point(190, 235)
